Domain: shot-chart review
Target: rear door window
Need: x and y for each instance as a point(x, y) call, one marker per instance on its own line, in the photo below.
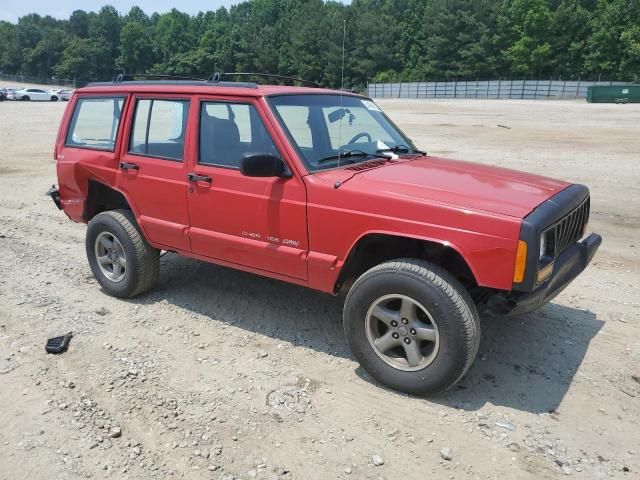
point(95, 123)
point(159, 128)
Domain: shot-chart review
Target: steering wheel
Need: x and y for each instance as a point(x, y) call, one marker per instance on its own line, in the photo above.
point(359, 136)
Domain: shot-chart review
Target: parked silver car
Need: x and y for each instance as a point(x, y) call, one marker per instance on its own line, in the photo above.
point(10, 92)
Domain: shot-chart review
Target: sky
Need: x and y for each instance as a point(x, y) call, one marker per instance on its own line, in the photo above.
point(11, 10)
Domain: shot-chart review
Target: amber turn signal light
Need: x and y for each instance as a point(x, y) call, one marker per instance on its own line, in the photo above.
point(521, 262)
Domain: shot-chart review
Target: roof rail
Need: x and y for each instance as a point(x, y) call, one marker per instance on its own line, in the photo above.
point(217, 77)
point(125, 77)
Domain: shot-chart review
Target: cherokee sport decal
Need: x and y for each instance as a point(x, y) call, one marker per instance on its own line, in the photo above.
point(273, 239)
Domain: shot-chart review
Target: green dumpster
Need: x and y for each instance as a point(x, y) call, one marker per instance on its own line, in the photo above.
point(614, 94)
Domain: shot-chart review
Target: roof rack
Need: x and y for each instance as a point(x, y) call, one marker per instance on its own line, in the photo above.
point(161, 79)
point(217, 77)
point(125, 77)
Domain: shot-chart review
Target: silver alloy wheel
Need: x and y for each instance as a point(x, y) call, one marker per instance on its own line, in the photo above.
point(402, 332)
point(110, 257)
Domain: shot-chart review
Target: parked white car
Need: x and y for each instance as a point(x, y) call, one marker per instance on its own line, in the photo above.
point(64, 94)
point(37, 94)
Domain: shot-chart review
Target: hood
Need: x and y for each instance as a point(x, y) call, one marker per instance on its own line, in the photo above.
point(464, 184)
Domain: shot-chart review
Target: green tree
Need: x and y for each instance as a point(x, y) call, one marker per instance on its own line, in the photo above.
point(10, 58)
point(83, 60)
point(78, 24)
point(391, 40)
point(459, 43)
point(136, 14)
point(136, 48)
point(104, 27)
point(569, 34)
point(526, 27)
point(371, 35)
point(41, 60)
point(216, 49)
point(314, 47)
point(173, 36)
point(614, 47)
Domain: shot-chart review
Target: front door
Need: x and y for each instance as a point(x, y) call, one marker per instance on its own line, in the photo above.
point(256, 222)
point(152, 170)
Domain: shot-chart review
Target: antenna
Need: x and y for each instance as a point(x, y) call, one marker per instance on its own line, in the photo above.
point(344, 35)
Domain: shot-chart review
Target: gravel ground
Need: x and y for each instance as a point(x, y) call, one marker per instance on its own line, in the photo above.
point(219, 374)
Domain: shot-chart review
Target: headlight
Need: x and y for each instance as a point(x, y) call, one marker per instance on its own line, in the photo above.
point(543, 245)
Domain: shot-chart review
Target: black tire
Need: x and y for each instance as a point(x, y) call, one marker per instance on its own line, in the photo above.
point(142, 260)
point(54, 99)
point(447, 302)
point(26, 98)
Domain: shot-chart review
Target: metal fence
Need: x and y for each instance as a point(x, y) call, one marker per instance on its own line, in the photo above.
point(59, 82)
point(512, 89)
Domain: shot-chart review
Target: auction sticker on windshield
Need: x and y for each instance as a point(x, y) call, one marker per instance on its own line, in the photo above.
point(371, 106)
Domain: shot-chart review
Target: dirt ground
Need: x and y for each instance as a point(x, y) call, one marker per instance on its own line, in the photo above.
point(221, 374)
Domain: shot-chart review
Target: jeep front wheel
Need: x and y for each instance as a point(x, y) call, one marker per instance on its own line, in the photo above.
point(412, 326)
point(122, 261)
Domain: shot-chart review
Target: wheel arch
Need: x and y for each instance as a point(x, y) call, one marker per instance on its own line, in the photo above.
point(373, 248)
point(101, 197)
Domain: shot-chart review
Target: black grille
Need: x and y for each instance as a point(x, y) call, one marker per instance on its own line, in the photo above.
point(570, 229)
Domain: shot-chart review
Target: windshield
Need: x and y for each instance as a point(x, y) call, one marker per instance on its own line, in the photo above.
point(329, 131)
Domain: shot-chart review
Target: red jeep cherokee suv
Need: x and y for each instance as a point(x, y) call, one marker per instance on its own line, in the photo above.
point(319, 188)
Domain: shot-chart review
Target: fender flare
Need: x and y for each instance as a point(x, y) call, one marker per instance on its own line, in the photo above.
point(445, 243)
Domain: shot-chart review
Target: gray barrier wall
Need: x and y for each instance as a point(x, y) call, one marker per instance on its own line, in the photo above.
point(514, 89)
point(59, 82)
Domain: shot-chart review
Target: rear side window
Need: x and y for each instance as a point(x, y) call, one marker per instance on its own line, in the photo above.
point(95, 123)
point(159, 128)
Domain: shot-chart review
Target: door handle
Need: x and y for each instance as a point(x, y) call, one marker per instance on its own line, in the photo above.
point(129, 166)
point(194, 177)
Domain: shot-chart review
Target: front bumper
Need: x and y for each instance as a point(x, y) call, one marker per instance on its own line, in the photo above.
point(567, 266)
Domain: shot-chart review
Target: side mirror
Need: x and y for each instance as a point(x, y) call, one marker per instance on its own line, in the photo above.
point(263, 165)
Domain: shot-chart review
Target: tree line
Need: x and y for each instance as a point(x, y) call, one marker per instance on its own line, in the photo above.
point(386, 40)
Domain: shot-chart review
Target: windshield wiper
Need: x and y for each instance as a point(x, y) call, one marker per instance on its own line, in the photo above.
point(352, 153)
point(400, 149)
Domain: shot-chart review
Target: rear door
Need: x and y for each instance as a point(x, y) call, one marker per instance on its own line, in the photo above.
point(260, 223)
point(152, 169)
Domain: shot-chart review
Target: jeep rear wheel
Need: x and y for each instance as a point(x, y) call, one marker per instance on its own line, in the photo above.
point(122, 261)
point(412, 326)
